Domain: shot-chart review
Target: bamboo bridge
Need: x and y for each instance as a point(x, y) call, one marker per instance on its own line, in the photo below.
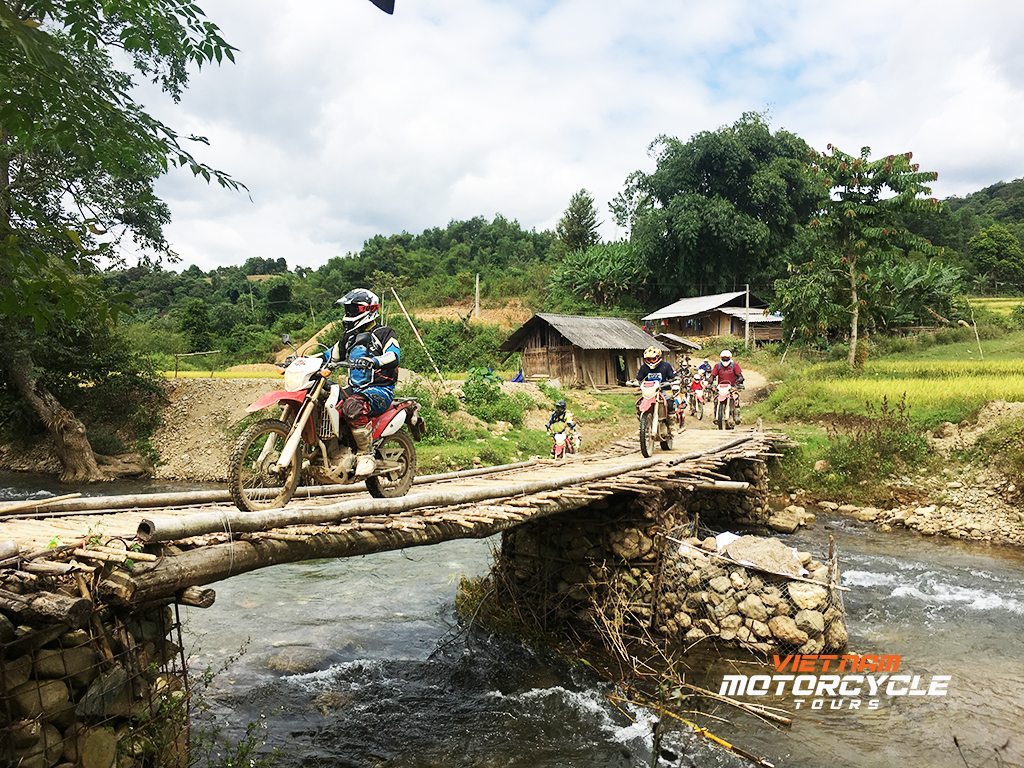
point(147, 556)
point(92, 661)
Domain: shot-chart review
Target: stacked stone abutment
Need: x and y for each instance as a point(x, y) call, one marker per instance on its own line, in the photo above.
point(110, 694)
point(616, 569)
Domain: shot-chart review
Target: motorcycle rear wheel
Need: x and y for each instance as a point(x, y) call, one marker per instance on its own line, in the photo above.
point(647, 434)
point(666, 445)
point(398, 448)
point(252, 484)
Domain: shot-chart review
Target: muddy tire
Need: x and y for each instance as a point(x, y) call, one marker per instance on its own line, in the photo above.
point(648, 432)
point(253, 485)
point(397, 448)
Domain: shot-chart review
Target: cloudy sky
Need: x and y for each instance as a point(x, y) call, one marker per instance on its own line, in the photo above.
point(345, 122)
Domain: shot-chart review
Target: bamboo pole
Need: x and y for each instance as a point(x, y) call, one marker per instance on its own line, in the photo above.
point(37, 502)
point(150, 583)
point(419, 338)
point(67, 506)
point(170, 529)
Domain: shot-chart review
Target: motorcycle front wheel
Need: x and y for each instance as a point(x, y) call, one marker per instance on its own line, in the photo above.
point(253, 483)
point(700, 410)
point(395, 449)
point(648, 431)
point(720, 409)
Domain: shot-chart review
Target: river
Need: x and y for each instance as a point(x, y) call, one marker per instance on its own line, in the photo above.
point(361, 663)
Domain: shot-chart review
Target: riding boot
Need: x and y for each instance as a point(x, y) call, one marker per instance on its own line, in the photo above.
point(365, 463)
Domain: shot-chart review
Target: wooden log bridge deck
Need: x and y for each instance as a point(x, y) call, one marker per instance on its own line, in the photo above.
point(137, 557)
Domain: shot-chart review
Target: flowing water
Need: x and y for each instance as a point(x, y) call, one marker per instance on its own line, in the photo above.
point(359, 662)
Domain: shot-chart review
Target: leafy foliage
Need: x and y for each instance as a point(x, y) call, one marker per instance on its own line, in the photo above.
point(858, 228)
point(604, 274)
point(577, 229)
point(719, 209)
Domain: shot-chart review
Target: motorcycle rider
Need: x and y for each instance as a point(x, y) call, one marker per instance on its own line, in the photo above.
point(656, 368)
point(728, 372)
point(371, 386)
point(561, 414)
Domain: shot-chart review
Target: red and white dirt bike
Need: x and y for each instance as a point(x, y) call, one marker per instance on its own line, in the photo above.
point(727, 401)
point(312, 438)
point(652, 410)
point(565, 440)
point(695, 397)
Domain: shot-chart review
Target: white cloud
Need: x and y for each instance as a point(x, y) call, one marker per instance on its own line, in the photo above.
point(345, 122)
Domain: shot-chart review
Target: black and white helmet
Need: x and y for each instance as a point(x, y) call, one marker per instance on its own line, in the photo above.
point(362, 307)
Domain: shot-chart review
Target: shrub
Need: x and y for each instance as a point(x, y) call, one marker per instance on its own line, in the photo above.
point(874, 447)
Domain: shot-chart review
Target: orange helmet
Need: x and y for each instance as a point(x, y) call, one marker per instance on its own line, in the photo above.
point(652, 356)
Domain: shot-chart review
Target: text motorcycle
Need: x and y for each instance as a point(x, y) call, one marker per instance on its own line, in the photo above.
point(652, 410)
point(311, 438)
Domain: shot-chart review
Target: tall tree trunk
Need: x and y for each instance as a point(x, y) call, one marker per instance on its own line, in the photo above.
point(851, 358)
point(76, 457)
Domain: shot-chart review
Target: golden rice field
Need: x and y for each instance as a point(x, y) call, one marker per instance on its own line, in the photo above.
point(935, 391)
point(942, 369)
point(999, 304)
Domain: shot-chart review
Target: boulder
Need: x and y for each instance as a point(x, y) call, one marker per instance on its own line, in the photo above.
point(78, 664)
point(811, 622)
point(753, 608)
point(40, 699)
point(806, 596)
point(767, 554)
point(785, 630)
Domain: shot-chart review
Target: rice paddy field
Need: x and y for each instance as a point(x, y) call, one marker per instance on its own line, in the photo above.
point(942, 383)
point(1001, 305)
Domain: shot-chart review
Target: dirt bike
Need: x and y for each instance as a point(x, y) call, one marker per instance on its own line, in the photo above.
point(653, 412)
point(311, 438)
point(726, 405)
point(695, 398)
point(565, 442)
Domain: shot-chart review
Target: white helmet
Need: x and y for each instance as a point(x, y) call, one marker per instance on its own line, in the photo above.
point(362, 307)
point(726, 355)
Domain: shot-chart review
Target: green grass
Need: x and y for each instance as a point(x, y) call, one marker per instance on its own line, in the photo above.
point(868, 423)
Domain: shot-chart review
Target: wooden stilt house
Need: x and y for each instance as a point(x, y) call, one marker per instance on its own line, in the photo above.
point(580, 351)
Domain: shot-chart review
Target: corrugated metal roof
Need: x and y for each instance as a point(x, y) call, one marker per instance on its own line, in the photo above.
point(756, 315)
point(673, 339)
point(699, 304)
point(587, 332)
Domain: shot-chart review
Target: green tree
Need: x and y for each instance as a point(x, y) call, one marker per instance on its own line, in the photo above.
point(577, 229)
point(603, 273)
point(77, 160)
point(997, 253)
point(721, 209)
point(857, 228)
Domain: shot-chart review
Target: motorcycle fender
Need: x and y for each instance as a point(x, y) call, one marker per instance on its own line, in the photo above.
point(644, 405)
point(389, 422)
point(277, 396)
point(332, 408)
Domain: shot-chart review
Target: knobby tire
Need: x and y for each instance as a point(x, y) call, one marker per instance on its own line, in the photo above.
point(252, 486)
point(400, 448)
